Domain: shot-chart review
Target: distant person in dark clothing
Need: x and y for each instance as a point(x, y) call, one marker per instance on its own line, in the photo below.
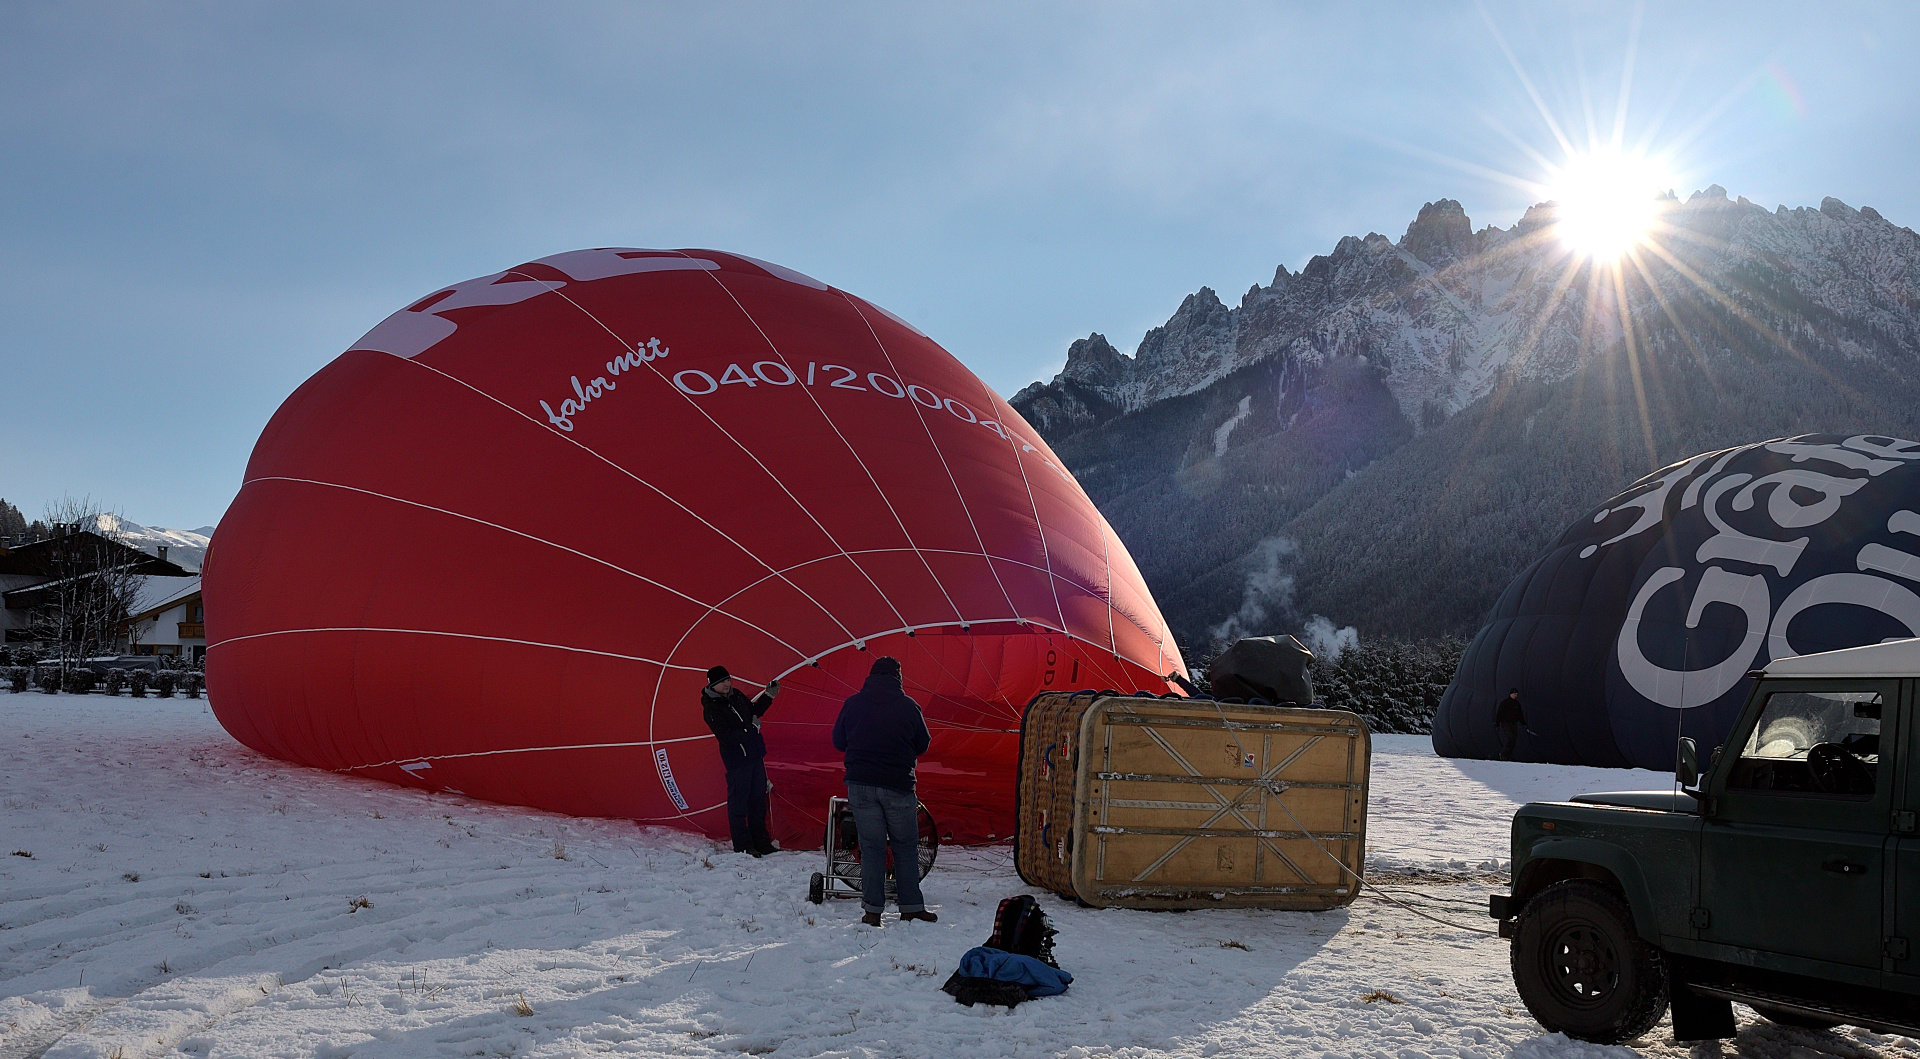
point(735, 721)
point(882, 732)
point(1507, 719)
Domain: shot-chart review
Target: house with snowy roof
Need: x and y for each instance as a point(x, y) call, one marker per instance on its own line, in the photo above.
point(168, 619)
point(34, 576)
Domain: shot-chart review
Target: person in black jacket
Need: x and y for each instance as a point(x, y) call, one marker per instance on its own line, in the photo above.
point(882, 732)
point(735, 721)
point(1507, 719)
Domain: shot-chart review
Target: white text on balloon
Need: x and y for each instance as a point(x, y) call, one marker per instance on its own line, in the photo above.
point(643, 353)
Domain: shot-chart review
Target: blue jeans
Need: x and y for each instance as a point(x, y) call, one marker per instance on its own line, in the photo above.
point(887, 819)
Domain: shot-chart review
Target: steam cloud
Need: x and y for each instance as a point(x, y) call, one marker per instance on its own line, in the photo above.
point(1266, 600)
point(1267, 591)
point(1327, 642)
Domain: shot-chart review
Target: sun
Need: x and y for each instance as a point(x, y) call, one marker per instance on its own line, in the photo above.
point(1607, 202)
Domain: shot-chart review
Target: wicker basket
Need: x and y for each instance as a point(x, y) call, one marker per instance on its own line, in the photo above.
point(1189, 803)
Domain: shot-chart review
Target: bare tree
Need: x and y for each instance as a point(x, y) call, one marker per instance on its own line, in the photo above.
point(93, 582)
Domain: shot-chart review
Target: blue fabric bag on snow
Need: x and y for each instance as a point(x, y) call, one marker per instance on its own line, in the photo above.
point(1038, 978)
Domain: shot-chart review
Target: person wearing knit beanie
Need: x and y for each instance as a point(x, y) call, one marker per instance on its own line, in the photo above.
point(735, 722)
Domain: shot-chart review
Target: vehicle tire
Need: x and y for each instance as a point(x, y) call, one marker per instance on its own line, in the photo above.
point(817, 888)
point(1789, 1018)
point(1580, 967)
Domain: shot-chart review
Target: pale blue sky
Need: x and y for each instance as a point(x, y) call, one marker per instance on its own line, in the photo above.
point(205, 203)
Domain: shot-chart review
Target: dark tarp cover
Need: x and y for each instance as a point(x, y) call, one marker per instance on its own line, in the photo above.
point(1273, 668)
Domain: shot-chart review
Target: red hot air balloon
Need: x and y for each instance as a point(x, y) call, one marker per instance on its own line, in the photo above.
point(494, 547)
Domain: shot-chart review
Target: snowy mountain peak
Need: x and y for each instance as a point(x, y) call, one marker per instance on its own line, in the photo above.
point(187, 548)
point(1446, 312)
point(1440, 234)
point(1093, 360)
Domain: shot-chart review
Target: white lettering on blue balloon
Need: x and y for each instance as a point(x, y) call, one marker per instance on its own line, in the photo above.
point(1860, 590)
point(1840, 455)
point(1686, 688)
point(1652, 504)
point(1796, 499)
point(1883, 446)
point(1890, 560)
point(1788, 513)
point(1730, 543)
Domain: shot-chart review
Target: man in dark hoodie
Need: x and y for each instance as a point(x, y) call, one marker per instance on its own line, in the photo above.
point(881, 731)
point(735, 721)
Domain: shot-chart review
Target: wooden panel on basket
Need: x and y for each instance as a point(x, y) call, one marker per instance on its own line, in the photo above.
point(1166, 803)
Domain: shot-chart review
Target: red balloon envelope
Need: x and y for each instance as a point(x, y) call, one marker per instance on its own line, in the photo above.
point(494, 547)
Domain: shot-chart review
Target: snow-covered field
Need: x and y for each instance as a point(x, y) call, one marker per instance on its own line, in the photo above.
point(174, 894)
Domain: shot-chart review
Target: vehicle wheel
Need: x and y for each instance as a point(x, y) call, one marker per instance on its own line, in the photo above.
point(1789, 1018)
point(817, 888)
point(1580, 968)
point(929, 840)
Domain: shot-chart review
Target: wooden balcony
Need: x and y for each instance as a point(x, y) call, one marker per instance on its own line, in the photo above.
point(193, 630)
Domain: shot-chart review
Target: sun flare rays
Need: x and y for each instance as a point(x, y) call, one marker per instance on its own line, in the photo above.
point(1633, 291)
point(1606, 202)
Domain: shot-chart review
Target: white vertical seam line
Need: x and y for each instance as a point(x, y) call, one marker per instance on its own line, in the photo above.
point(920, 416)
point(972, 523)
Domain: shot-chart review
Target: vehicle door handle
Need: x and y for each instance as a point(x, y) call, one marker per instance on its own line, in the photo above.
point(1843, 866)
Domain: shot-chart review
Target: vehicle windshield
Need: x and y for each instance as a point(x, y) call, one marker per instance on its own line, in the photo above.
point(1795, 721)
point(1821, 742)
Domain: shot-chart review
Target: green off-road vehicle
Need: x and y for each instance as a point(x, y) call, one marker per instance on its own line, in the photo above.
point(1786, 877)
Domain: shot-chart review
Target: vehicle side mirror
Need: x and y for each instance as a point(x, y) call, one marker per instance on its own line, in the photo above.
point(1688, 770)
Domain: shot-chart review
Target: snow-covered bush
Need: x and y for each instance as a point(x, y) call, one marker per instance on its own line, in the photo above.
point(137, 682)
point(16, 678)
point(20, 654)
point(78, 681)
point(193, 680)
point(1395, 685)
point(113, 680)
point(47, 679)
point(164, 682)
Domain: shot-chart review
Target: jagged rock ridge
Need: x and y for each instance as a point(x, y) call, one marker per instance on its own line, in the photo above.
point(1233, 427)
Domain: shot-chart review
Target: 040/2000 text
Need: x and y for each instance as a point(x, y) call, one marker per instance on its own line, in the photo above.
point(695, 382)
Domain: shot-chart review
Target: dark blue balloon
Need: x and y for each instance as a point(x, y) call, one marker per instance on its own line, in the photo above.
point(1641, 623)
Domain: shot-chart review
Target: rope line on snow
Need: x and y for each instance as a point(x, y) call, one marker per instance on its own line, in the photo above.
point(1382, 894)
